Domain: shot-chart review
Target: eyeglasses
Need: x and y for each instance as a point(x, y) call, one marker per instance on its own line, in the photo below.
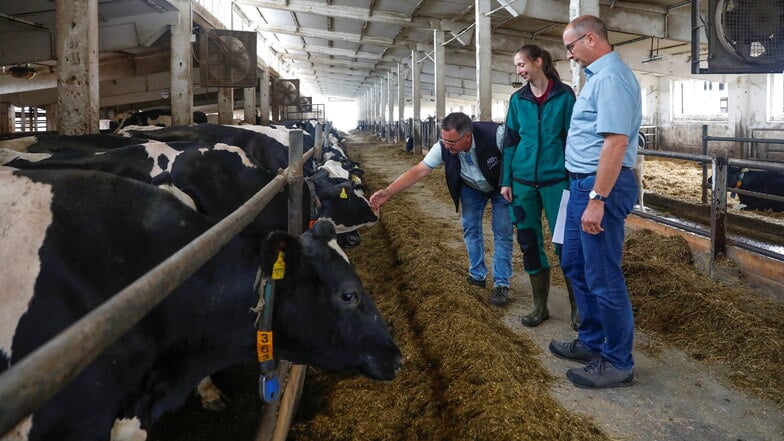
point(449, 145)
point(570, 46)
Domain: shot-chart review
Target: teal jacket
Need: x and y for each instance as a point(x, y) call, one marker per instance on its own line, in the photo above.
point(535, 137)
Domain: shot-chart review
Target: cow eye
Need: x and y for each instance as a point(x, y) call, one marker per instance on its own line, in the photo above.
point(349, 297)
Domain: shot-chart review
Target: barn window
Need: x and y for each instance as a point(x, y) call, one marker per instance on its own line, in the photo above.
point(776, 97)
point(29, 119)
point(698, 99)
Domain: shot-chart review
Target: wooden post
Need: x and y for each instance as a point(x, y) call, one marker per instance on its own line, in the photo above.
point(276, 419)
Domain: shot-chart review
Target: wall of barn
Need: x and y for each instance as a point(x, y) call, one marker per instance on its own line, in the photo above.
point(747, 111)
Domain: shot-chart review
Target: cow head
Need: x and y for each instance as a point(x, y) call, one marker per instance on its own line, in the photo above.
point(341, 201)
point(322, 314)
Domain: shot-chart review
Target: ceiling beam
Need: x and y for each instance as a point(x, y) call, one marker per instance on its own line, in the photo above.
point(628, 17)
point(327, 61)
point(351, 12)
point(324, 50)
point(327, 35)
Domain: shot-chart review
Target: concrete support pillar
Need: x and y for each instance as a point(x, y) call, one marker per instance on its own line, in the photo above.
point(363, 107)
point(416, 96)
point(576, 9)
point(181, 88)
point(372, 106)
point(744, 112)
point(392, 132)
point(76, 41)
point(484, 60)
point(383, 95)
point(264, 96)
point(6, 118)
point(51, 117)
point(225, 105)
point(249, 101)
point(439, 63)
point(379, 106)
point(401, 102)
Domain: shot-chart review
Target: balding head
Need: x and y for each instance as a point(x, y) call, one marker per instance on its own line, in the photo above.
point(586, 39)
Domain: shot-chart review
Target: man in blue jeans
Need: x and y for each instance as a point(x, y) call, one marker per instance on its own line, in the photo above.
point(472, 164)
point(599, 157)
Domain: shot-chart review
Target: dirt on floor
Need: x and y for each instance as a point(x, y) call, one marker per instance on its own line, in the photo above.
point(706, 354)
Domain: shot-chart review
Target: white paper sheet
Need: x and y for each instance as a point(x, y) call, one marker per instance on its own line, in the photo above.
point(558, 233)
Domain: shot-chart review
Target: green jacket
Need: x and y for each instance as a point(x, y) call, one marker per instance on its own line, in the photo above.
point(535, 137)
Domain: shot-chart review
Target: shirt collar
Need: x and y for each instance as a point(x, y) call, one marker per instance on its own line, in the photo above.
point(600, 63)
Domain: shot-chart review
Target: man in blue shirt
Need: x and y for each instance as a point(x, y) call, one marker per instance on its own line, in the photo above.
point(472, 164)
point(601, 149)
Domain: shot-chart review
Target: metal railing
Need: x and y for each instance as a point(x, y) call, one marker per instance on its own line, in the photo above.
point(23, 387)
point(719, 189)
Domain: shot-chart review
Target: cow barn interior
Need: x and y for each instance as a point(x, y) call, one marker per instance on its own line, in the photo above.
point(704, 269)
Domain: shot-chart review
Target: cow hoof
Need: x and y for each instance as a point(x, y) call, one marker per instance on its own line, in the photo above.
point(212, 398)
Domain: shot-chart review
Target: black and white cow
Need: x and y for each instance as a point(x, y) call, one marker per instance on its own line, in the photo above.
point(214, 179)
point(56, 269)
point(760, 181)
point(50, 143)
point(268, 145)
point(157, 117)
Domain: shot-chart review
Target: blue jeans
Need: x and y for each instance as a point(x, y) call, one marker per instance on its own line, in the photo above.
point(473, 204)
point(592, 262)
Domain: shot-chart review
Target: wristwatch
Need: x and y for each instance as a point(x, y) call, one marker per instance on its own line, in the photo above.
point(596, 196)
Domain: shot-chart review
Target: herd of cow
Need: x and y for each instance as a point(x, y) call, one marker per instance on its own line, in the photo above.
point(81, 217)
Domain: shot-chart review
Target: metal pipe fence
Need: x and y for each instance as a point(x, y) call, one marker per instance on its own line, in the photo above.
point(719, 189)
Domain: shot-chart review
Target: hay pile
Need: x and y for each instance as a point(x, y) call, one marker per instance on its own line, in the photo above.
point(729, 325)
point(682, 180)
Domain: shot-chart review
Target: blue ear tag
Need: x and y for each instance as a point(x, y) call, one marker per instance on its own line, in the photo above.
point(269, 387)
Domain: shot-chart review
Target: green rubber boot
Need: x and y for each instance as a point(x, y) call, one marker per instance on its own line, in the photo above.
point(540, 290)
point(575, 317)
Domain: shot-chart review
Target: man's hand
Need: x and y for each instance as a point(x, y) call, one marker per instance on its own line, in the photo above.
point(506, 192)
point(592, 217)
point(378, 199)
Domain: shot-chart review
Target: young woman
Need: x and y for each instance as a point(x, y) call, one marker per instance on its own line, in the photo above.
point(534, 174)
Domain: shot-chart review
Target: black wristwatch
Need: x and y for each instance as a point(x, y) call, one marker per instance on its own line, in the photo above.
point(596, 196)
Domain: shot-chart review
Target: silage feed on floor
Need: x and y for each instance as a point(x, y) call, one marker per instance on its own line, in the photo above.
point(734, 326)
point(467, 377)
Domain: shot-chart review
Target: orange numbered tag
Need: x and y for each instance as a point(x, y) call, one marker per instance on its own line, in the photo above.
point(264, 345)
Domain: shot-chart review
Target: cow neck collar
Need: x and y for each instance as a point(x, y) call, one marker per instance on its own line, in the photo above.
point(740, 177)
point(269, 383)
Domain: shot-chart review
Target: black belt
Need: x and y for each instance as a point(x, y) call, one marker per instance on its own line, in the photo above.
point(585, 175)
point(538, 184)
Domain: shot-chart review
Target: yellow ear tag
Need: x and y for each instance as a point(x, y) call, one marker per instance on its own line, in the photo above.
point(279, 267)
point(343, 194)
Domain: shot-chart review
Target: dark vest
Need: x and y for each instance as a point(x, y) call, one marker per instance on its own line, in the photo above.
point(488, 155)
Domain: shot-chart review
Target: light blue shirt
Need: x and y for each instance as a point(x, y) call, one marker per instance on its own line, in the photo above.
point(469, 171)
point(610, 102)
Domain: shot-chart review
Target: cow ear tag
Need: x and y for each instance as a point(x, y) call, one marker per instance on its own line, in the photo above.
point(343, 194)
point(279, 267)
